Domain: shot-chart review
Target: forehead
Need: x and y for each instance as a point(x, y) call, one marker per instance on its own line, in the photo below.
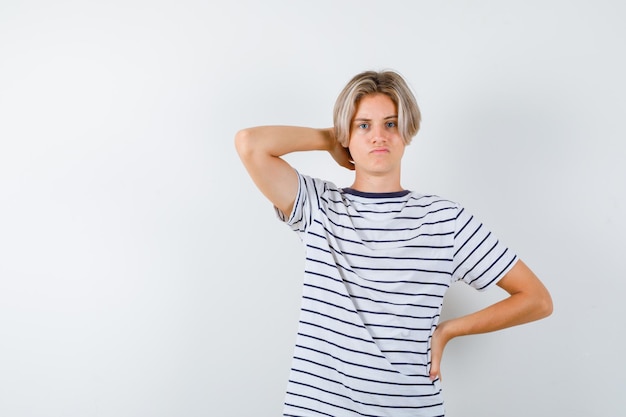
point(375, 105)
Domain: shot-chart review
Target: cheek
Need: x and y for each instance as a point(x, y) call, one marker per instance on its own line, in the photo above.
point(353, 150)
point(353, 144)
point(350, 143)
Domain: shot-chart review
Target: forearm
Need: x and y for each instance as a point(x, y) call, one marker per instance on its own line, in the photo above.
point(281, 140)
point(261, 149)
point(528, 301)
point(514, 310)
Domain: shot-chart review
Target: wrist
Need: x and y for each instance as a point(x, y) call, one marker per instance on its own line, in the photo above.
point(328, 138)
point(446, 330)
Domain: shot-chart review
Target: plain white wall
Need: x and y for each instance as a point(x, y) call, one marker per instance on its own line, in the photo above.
point(142, 274)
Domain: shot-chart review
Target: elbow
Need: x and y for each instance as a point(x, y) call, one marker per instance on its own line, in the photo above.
point(243, 142)
point(538, 305)
point(548, 306)
point(544, 306)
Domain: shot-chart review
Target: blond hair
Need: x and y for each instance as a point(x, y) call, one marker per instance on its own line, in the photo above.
point(385, 82)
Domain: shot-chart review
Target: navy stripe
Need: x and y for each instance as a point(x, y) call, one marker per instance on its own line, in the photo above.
point(471, 253)
point(333, 405)
point(401, 407)
point(395, 258)
point(500, 273)
point(468, 239)
point(411, 352)
point(431, 271)
point(398, 315)
point(491, 266)
point(304, 408)
point(378, 290)
point(319, 326)
point(458, 216)
point(480, 260)
point(350, 323)
point(338, 359)
point(350, 388)
point(367, 298)
point(358, 378)
point(364, 403)
point(323, 238)
point(328, 342)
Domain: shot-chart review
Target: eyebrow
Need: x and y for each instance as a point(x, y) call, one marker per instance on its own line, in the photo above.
point(364, 119)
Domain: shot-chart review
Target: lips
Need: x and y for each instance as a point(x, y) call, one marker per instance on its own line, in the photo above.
point(379, 150)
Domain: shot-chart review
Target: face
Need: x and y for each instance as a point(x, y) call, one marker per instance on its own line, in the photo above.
point(375, 142)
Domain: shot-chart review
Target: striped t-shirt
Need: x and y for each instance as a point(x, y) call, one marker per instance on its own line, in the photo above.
point(377, 267)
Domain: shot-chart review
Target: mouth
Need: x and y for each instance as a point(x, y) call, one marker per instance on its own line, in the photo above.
point(379, 150)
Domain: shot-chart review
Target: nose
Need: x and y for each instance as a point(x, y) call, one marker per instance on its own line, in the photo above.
point(378, 134)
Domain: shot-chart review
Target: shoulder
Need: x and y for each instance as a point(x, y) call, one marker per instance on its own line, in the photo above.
point(317, 186)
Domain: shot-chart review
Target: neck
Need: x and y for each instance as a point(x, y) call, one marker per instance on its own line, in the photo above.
point(377, 184)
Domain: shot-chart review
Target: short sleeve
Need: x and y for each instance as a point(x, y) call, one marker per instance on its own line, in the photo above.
point(306, 204)
point(480, 259)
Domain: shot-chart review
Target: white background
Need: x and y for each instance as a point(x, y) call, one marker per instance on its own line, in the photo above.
point(142, 274)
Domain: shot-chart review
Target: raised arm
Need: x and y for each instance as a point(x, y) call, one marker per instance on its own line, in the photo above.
point(528, 300)
point(261, 148)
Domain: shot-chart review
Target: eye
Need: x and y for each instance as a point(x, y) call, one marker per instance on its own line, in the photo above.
point(391, 124)
point(363, 125)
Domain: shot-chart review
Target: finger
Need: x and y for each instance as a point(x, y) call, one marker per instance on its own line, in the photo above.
point(435, 368)
point(434, 373)
point(346, 163)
